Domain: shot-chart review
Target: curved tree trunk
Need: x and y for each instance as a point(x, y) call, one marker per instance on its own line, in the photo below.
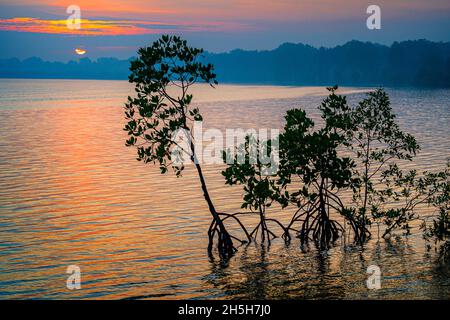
point(225, 244)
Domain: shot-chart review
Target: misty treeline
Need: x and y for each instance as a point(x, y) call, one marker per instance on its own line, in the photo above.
point(418, 63)
point(338, 178)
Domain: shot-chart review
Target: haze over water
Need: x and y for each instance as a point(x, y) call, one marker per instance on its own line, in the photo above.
point(71, 193)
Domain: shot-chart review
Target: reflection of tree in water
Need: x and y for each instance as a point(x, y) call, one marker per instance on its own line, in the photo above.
point(407, 274)
point(279, 273)
point(285, 272)
point(440, 274)
point(440, 279)
point(251, 278)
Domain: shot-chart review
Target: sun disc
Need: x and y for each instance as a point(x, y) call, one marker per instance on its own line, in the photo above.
point(80, 51)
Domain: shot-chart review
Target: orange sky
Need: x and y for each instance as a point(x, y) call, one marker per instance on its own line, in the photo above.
point(216, 25)
point(138, 16)
point(236, 9)
point(108, 27)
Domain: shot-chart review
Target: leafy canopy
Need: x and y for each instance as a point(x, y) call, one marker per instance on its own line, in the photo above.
point(155, 114)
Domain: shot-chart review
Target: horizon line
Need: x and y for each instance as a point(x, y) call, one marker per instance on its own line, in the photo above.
point(240, 49)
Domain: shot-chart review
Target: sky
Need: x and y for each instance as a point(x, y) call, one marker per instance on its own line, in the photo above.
point(117, 28)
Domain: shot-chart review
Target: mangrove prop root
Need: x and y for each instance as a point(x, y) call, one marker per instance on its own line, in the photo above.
point(224, 242)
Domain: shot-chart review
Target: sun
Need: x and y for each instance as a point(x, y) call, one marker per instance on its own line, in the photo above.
point(80, 51)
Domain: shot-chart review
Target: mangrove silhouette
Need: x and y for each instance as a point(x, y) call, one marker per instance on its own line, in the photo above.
point(155, 115)
point(358, 149)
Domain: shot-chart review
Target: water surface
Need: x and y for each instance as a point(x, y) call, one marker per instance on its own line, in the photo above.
point(71, 193)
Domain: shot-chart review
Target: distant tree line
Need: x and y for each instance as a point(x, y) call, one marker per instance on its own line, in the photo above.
point(84, 68)
point(408, 63)
point(418, 63)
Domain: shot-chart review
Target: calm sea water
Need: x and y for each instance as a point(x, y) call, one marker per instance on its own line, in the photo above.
point(71, 193)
